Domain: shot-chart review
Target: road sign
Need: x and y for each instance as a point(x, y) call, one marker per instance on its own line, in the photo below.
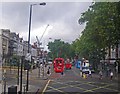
point(28, 57)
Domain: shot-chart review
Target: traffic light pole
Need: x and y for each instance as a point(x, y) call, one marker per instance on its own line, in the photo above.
point(22, 59)
point(18, 72)
point(27, 80)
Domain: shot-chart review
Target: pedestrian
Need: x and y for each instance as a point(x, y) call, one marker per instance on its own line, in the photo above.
point(48, 72)
point(111, 75)
point(80, 73)
point(61, 73)
point(100, 75)
point(90, 73)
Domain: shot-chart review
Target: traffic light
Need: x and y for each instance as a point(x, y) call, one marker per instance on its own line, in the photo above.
point(27, 65)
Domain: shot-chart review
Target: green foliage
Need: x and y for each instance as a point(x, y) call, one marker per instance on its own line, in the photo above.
point(59, 48)
point(14, 60)
point(102, 30)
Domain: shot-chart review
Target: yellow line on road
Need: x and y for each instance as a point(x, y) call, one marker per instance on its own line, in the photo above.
point(58, 90)
point(46, 86)
point(112, 89)
point(98, 88)
point(67, 85)
point(107, 85)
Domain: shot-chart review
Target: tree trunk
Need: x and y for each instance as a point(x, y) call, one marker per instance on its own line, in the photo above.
point(116, 52)
point(109, 54)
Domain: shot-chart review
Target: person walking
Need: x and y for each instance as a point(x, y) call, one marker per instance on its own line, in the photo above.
point(90, 73)
point(80, 73)
point(48, 71)
point(100, 75)
point(111, 75)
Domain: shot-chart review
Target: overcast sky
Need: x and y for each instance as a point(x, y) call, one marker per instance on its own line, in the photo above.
point(62, 18)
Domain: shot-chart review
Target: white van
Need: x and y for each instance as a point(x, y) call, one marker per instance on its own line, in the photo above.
point(85, 67)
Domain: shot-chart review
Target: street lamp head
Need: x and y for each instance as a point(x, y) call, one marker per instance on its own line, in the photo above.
point(42, 3)
point(39, 4)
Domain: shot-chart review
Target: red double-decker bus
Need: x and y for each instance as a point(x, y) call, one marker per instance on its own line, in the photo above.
point(58, 65)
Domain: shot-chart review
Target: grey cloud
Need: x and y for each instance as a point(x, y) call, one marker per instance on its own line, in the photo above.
point(15, 16)
point(56, 11)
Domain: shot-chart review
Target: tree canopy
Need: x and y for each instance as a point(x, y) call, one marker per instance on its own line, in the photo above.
point(102, 30)
point(59, 48)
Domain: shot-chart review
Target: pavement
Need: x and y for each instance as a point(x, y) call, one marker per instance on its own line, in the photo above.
point(36, 84)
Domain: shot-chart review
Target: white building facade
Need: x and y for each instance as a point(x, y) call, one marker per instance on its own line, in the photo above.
point(4, 44)
point(4, 41)
point(112, 56)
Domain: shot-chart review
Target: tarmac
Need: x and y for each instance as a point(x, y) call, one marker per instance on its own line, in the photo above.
point(42, 81)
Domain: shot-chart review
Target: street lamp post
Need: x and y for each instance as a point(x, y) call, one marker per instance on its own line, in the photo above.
point(29, 38)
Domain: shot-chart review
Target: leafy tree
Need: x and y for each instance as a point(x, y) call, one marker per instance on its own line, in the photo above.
point(102, 30)
point(59, 48)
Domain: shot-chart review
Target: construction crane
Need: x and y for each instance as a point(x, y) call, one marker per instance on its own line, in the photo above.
point(44, 32)
point(38, 41)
